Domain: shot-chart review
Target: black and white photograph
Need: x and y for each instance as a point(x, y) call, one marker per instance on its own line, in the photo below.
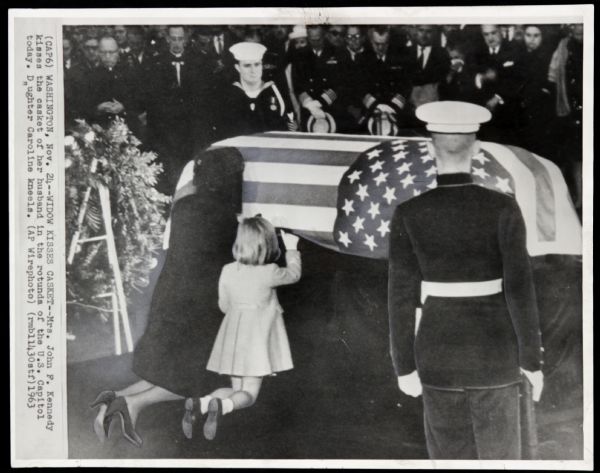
point(357, 237)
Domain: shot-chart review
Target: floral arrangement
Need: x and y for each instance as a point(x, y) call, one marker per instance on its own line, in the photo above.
point(111, 156)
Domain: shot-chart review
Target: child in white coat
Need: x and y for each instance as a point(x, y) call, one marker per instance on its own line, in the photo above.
point(252, 341)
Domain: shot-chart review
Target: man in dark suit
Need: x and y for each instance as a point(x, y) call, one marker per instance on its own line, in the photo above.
point(496, 84)
point(427, 65)
point(316, 78)
point(176, 105)
point(221, 59)
point(78, 77)
point(112, 88)
point(138, 54)
point(459, 251)
point(459, 81)
point(120, 35)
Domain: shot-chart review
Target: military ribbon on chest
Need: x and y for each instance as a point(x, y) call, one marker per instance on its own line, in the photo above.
point(273, 105)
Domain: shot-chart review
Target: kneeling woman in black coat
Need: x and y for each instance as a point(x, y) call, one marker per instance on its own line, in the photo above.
point(171, 356)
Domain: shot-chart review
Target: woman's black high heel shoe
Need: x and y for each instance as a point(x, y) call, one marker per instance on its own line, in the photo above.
point(102, 421)
point(192, 412)
point(102, 424)
point(105, 397)
point(119, 408)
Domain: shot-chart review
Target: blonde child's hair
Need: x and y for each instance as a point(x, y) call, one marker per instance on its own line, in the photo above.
point(256, 242)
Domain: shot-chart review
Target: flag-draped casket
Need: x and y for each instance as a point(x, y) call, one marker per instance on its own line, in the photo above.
point(340, 191)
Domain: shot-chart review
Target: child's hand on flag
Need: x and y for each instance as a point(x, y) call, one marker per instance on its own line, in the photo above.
point(290, 241)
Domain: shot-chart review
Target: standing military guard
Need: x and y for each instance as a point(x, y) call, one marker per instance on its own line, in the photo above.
point(316, 78)
point(459, 250)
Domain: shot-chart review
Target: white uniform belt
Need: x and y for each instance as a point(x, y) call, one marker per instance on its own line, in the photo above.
point(460, 289)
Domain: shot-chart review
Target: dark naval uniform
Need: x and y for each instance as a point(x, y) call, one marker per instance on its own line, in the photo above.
point(317, 77)
point(244, 115)
point(389, 83)
point(468, 348)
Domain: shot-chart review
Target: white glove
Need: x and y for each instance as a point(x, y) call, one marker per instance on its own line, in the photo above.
point(383, 108)
point(290, 241)
point(536, 378)
point(315, 108)
point(410, 384)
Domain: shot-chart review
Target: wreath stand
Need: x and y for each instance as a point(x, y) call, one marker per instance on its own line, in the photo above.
point(117, 295)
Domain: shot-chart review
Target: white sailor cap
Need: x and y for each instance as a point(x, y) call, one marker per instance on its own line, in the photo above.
point(453, 117)
point(247, 51)
point(298, 32)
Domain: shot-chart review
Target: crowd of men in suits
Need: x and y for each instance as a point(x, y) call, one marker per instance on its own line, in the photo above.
point(168, 82)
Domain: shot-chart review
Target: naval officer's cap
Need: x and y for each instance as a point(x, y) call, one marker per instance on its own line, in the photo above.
point(453, 117)
point(247, 51)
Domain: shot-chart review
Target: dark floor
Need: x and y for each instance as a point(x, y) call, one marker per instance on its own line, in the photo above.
point(339, 402)
point(286, 422)
point(319, 410)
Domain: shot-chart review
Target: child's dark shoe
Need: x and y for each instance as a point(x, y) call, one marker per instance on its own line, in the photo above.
point(192, 412)
point(215, 411)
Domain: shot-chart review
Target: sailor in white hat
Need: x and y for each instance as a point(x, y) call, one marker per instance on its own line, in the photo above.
point(459, 252)
point(250, 104)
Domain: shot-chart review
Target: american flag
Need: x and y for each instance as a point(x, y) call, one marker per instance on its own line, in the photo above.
point(340, 191)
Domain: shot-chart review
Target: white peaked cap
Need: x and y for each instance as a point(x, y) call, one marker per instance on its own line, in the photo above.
point(247, 51)
point(453, 117)
point(298, 32)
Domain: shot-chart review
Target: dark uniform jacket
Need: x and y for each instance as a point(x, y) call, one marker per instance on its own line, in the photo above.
point(274, 64)
point(317, 77)
point(355, 79)
point(460, 232)
point(243, 115)
point(388, 81)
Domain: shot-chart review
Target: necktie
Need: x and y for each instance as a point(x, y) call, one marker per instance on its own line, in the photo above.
point(221, 47)
point(178, 63)
point(422, 58)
